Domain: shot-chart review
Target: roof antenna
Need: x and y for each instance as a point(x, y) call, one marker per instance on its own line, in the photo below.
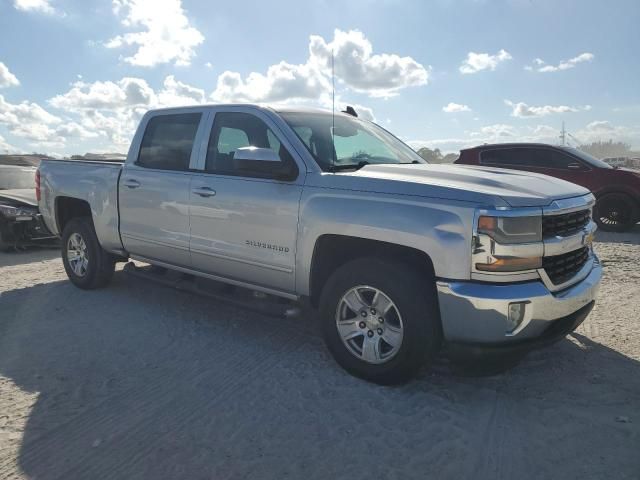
point(350, 111)
point(333, 110)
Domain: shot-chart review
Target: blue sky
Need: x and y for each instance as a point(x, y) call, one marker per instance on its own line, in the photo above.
point(75, 76)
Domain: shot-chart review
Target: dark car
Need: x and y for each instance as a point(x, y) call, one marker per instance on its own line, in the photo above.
point(617, 190)
point(20, 222)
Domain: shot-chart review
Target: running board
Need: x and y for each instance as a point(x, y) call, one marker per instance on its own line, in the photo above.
point(240, 297)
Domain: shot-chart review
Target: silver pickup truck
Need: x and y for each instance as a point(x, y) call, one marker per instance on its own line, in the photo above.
point(399, 257)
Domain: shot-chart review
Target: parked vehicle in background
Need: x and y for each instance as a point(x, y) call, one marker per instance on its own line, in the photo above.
point(617, 190)
point(20, 223)
point(399, 256)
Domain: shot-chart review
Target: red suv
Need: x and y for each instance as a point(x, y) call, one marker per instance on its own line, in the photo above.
point(617, 190)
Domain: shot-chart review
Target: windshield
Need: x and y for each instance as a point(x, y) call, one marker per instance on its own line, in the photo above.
point(590, 159)
point(355, 142)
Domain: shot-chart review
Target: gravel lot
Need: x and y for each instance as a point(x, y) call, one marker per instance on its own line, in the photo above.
point(142, 381)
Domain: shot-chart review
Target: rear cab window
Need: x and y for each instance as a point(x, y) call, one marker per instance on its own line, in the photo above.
point(168, 141)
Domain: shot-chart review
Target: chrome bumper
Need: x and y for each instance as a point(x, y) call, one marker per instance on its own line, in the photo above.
point(477, 313)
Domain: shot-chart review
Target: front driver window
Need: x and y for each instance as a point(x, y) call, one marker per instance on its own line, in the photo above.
point(233, 130)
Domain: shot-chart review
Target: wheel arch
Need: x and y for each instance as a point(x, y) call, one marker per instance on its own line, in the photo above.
point(332, 251)
point(68, 208)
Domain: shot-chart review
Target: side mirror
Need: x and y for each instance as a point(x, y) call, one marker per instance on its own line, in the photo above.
point(262, 162)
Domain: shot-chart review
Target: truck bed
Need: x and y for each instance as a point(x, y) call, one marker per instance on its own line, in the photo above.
point(92, 181)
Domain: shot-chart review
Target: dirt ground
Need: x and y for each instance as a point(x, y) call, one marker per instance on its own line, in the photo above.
point(142, 381)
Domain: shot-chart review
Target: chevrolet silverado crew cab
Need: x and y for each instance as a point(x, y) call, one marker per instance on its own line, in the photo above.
point(399, 257)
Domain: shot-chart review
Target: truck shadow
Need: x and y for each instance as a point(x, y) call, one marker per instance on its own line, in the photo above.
point(632, 237)
point(139, 381)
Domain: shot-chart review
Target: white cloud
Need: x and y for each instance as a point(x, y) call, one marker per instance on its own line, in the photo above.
point(209, 65)
point(541, 66)
point(124, 93)
point(475, 62)
point(178, 93)
point(7, 79)
point(282, 82)
point(356, 67)
point(31, 121)
point(522, 110)
point(355, 64)
point(497, 130)
point(452, 107)
point(13, 113)
point(41, 6)
point(112, 109)
point(166, 35)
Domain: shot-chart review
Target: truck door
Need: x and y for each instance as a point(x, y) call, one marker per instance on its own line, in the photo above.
point(243, 223)
point(154, 190)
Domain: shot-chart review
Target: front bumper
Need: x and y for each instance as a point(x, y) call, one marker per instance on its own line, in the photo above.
point(478, 313)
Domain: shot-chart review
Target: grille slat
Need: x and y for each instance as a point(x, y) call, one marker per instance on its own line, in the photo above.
point(565, 224)
point(562, 268)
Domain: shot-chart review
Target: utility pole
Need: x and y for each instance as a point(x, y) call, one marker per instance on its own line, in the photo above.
point(563, 134)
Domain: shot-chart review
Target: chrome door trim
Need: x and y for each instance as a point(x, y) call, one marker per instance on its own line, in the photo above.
point(242, 260)
point(155, 242)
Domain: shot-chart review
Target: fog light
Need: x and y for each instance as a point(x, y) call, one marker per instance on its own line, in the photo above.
point(516, 314)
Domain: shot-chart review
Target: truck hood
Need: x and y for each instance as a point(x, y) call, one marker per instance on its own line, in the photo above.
point(481, 185)
point(22, 196)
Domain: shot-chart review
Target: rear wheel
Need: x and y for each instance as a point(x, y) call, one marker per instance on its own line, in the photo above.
point(380, 320)
point(87, 264)
point(615, 212)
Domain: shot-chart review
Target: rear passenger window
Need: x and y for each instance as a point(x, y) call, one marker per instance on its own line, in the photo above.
point(527, 157)
point(168, 141)
point(561, 160)
point(506, 156)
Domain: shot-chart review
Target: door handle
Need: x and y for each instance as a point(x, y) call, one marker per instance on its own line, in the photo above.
point(131, 183)
point(204, 191)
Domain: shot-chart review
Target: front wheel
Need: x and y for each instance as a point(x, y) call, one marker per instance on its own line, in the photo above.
point(615, 212)
point(380, 320)
point(87, 264)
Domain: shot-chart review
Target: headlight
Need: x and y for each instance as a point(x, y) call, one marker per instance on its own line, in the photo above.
point(508, 244)
point(16, 213)
point(506, 230)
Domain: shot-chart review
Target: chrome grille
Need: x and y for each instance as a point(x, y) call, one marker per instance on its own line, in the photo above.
point(565, 224)
point(562, 268)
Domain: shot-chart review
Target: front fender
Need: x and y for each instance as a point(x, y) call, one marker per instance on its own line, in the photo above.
point(440, 228)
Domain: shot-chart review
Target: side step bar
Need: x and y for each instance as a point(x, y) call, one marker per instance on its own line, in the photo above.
point(246, 299)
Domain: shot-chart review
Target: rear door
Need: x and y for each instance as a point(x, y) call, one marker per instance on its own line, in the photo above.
point(154, 188)
point(243, 224)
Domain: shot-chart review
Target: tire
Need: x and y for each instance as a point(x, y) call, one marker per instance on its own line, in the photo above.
point(99, 265)
point(414, 309)
point(615, 212)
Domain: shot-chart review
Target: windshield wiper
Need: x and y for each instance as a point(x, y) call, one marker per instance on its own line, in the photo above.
point(350, 166)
